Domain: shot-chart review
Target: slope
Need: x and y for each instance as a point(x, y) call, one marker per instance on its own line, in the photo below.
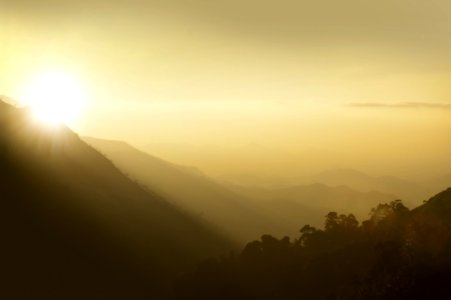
point(238, 217)
point(243, 212)
point(73, 225)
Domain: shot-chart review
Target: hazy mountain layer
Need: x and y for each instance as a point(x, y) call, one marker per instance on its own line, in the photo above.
point(411, 193)
point(242, 212)
point(238, 217)
point(310, 203)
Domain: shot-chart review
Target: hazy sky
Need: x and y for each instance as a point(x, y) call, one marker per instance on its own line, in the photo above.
point(368, 82)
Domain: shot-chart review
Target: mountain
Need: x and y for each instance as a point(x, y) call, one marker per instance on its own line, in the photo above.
point(412, 193)
point(314, 201)
point(238, 217)
point(243, 213)
point(73, 226)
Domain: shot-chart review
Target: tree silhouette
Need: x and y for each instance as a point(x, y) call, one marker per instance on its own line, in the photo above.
point(382, 258)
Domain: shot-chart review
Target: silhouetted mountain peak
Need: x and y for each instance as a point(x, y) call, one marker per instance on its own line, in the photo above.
point(72, 224)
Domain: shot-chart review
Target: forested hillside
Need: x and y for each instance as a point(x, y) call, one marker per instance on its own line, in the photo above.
point(395, 254)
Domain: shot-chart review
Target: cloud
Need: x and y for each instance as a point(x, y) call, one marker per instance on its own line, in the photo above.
point(402, 105)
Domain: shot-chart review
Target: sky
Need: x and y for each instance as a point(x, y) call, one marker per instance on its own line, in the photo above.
point(317, 84)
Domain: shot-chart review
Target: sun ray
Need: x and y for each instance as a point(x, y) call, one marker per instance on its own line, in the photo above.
point(54, 97)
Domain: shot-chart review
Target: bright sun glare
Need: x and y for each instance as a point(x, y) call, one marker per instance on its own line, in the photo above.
point(55, 98)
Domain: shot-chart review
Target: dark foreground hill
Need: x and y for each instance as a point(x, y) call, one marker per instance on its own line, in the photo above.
point(73, 226)
point(395, 254)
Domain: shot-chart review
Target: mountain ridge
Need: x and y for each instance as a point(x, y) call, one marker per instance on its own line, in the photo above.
point(74, 224)
point(198, 194)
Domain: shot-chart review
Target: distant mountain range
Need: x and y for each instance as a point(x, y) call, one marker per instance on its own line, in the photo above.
point(189, 189)
point(321, 197)
point(243, 212)
point(73, 225)
point(411, 193)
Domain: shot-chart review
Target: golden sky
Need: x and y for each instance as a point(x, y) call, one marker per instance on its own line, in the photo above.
point(367, 81)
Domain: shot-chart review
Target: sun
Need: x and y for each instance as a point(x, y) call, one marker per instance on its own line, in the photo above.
point(55, 98)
